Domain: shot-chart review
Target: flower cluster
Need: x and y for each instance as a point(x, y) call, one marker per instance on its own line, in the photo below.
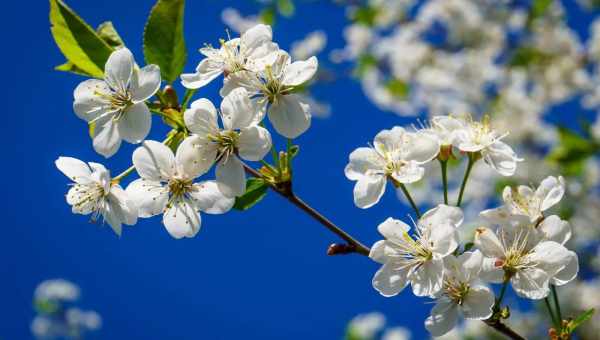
point(55, 319)
point(520, 244)
point(260, 80)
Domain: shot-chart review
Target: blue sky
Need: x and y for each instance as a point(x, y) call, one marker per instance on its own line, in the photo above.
point(258, 274)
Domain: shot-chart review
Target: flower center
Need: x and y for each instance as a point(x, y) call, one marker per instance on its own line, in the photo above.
point(227, 142)
point(179, 187)
point(393, 166)
point(525, 204)
point(89, 198)
point(455, 290)
point(418, 248)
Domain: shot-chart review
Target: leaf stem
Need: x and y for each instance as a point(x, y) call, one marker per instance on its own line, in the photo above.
point(556, 305)
point(408, 197)
point(187, 97)
point(289, 195)
point(550, 312)
point(472, 161)
point(444, 166)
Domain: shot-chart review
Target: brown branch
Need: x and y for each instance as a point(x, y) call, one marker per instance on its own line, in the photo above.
point(285, 190)
point(503, 328)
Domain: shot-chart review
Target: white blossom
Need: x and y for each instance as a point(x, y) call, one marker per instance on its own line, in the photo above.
point(273, 88)
point(93, 192)
point(57, 290)
point(365, 326)
point(240, 137)
point(480, 137)
point(396, 154)
point(462, 294)
point(167, 186)
point(116, 104)
point(251, 52)
point(310, 46)
point(530, 262)
point(418, 259)
point(526, 202)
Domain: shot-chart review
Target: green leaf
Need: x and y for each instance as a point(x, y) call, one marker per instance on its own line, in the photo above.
point(267, 16)
point(79, 43)
point(468, 246)
point(583, 317)
point(286, 8)
point(294, 149)
point(526, 56)
point(109, 34)
point(364, 63)
point(256, 189)
point(164, 44)
point(538, 9)
point(365, 15)
point(397, 88)
point(572, 152)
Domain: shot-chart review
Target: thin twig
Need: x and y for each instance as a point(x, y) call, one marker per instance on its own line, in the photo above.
point(288, 194)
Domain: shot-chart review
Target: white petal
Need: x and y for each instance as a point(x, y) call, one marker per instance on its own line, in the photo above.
point(107, 139)
point(550, 191)
point(390, 140)
point(470, 264)
point(555, 229)
point(91, 99)
point(443, 239)
point(237, 110)
point(377, 252)
point(428, 279)
point(368, 191)
point(409, 173)
point(113, 216)
point(444, 317)
point(231, 177)
point(478, 303)
point(501, 158)
point(150, 197)
point(488, 243)
point(254, 143)
point(209, 199)
point(440, 215)
point(393, 229)
point(299, 72)
point(195, 156)
point(129, 210)
point(490, 271)
point(245, 79)
point(206, 71)
point(144, 83)
point(154, 161)
point(422, 147)
point(76, 170)
point(254, 38)
point(289, 116)
point(362, 161)
point(181, 219)
point(201, 118)
point(531, 283)
point(118, 69)
point(135, 123)
point(389, 281)
point(550, 256)
point(569, 272)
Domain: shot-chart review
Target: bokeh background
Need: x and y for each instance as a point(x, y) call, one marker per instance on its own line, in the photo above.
point(259, 274)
